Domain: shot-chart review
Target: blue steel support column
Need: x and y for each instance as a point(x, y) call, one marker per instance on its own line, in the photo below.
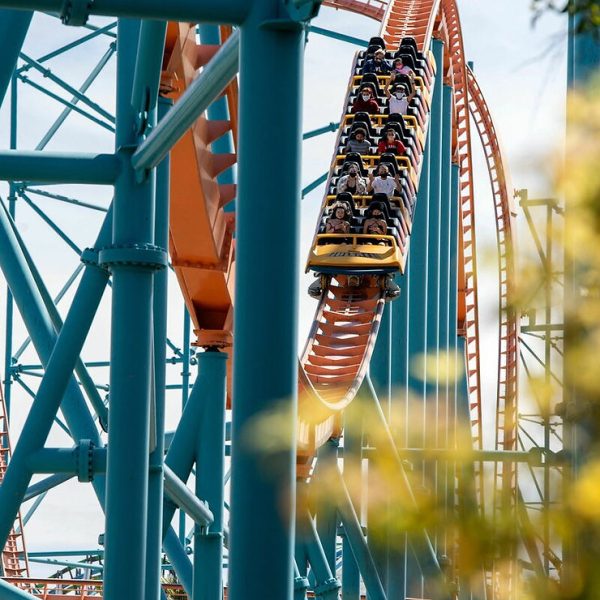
point(417, 301)
point(445, 416)
point(433, 271)
point(433, 253)
point(132, 260)
point(210, 473)
point(265, 359)
point(380, 367)
point(352, 463)
point(327, 518)
point(12, 200)
point(380, 373)
point(417, 336)
point(155, 483)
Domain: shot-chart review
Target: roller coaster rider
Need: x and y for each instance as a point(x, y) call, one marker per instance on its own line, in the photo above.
point(339, 221)
point(383, 183)
point(390, 143)
point(359, 142)
point(375, 222)
point(365, 102)
point(352, 182)
point(377, 64)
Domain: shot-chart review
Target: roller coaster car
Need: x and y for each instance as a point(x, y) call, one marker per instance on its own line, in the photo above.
point(357, 252)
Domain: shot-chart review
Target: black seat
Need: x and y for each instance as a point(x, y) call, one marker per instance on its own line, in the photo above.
point(394, 126)
point(417, 58)
point(371, 50)
point(352, 132)
point(385, 201)
point(393, 215)
point(412, 60)
point(362, 119)
point(346, 197)
point(407, 59)
point(410, 41)
point(371, 80)
point(354, 157)
point(405, 80)
point(377, 41)
point(396, 121)
point(389, 159)
point(407, 49)
point(400, 129)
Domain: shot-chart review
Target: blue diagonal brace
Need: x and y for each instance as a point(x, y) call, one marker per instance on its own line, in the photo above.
point(58, 386)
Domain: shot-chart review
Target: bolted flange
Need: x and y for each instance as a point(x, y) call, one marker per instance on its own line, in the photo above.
point(147, 256)
point(330, 585)
point(85, 460)
point(301, 583)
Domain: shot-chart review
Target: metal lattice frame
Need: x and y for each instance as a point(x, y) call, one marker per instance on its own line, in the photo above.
point(417, 18)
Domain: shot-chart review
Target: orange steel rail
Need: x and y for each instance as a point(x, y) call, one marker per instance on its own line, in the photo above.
point(335, 361)
point(505, 473)
point(375, 9)
point(468, 311)
point(14, 554)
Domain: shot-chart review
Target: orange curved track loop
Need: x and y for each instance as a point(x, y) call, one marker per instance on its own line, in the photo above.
point(201, 232)
point(375, 9)
point(201, 243)
point(468, 311)
point(505, 473)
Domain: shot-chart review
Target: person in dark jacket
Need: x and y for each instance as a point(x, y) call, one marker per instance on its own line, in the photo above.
point(377, 64)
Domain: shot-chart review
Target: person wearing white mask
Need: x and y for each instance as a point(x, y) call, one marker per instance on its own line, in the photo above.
point(365, 102)
point(398, 100)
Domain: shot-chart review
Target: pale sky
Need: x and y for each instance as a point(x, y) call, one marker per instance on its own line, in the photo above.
point(520, 69)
